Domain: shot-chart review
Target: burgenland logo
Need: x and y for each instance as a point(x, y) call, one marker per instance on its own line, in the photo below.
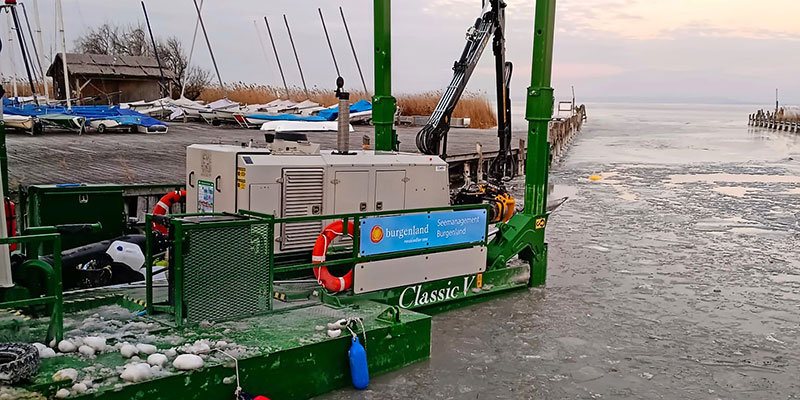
point(376, 234)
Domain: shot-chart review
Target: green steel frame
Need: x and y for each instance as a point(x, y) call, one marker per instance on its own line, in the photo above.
point(53, 298)
point(383, 104)
point(523, 235)
point(249, 218)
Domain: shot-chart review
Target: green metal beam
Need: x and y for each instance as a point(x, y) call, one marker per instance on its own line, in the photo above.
point(3, 150)
point(523, 235)
point(539, 109)
point(383, 104)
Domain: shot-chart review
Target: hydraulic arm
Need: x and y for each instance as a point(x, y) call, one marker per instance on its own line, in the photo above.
point(432, 138)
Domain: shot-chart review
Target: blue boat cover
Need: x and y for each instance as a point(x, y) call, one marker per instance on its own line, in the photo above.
point(122, 115)
point(328, 114)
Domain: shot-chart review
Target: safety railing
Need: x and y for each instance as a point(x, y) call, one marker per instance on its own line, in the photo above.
point(356, 218)
point(230, 259)
point(54, 293)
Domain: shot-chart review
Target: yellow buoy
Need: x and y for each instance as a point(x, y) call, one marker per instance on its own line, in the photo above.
point(595, 177)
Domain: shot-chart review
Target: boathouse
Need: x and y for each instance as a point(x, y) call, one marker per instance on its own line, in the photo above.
point(107, 79)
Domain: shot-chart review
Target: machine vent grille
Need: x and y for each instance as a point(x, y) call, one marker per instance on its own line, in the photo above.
point(226, 271)
point(302, 193)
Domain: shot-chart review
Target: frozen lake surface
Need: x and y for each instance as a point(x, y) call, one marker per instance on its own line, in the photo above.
point(677, 276)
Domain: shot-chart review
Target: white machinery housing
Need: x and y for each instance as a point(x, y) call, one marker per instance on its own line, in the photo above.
point(295, 179)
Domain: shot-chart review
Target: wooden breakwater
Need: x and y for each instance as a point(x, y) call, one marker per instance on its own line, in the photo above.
point(768, 120)
point(562, 132)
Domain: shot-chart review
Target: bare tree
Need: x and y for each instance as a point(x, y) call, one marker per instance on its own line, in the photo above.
point(133, 40)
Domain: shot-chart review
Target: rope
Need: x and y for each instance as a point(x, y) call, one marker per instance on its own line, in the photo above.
point(236, 364)
point(363, 330)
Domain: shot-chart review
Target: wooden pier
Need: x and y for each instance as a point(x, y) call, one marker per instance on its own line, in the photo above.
point(766, 119)
point(125, 159)
point(562, 132)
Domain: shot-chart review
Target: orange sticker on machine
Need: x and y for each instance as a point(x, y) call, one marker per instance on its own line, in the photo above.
point(479, 281)
point(541, 223)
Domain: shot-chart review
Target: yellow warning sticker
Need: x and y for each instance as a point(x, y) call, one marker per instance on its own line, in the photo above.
point(241, 183)
point(241, 172)
point(479, 281)
point(541, 223)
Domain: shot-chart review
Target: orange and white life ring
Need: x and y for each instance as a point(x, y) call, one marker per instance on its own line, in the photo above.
point(325, 278)
point(163, 206)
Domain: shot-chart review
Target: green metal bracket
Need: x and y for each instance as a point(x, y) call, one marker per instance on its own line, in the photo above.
point(522, 235)
point(383, 104)
point(391, 315)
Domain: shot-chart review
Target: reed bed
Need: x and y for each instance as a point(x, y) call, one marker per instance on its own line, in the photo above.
point(475, 106)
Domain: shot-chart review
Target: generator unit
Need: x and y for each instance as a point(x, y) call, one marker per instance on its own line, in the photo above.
point(293, 178)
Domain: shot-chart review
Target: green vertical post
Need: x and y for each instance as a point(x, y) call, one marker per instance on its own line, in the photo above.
point(3, 150)
point(539, 110)
point(148, 263)
point(383, 104)
point(524, 234)
point(178, 270)
point(271, 254)
point(58, 305)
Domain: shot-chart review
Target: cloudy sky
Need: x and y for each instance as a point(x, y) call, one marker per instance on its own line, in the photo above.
point(626, 50)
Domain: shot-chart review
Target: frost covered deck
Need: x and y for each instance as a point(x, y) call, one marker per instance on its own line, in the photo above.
point(284, 355)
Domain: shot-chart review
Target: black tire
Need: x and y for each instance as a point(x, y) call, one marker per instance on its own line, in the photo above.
point(133, 129)
point(101, 128)
point(18, 362)
point(216, 122)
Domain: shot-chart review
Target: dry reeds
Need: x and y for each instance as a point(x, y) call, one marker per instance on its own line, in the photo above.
point(261, 94)
point(472, 105)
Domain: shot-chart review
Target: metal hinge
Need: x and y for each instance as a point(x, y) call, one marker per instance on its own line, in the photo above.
point(335, 181)
point(279, 180)
point(406, 179)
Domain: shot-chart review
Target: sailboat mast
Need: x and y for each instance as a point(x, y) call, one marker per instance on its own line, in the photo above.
point(11, 58)
point(350, 39)
point(208, 43)
point(191, 53)
point(26, 55)
point(39, 44)
point(60, 13)
point(155, 51)
point(325, 28)
point(33, 41)
point(275, 50)
point(296, 58)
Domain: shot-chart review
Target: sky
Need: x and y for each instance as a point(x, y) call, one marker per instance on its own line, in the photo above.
point(695, 51)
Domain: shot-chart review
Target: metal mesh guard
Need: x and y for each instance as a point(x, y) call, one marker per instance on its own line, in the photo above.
point(226, 272)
